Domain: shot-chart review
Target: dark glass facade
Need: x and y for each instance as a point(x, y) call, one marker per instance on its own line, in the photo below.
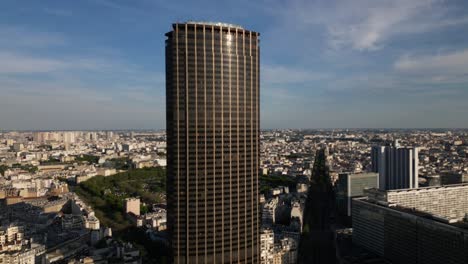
point(212, 93)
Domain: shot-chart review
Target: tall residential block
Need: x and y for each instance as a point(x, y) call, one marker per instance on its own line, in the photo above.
point(212, 103)
point(397, 166)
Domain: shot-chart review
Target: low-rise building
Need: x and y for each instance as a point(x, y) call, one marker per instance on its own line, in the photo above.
point(269, 211)
point(132, 205)
point(267, 246)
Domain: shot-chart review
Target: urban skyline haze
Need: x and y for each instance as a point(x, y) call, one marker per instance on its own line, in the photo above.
point(99, 64)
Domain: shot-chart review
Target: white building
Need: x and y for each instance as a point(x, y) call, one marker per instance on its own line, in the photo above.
point(267, 246)
point(162, 162)
point(297, 212)
point(269, 210)
point(132, 205)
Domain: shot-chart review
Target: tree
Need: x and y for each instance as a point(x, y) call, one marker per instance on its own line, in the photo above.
point(3, 168)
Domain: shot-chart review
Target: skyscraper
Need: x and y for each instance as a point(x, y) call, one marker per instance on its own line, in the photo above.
point(397, 166)
point(376, 152)
point(212, 100)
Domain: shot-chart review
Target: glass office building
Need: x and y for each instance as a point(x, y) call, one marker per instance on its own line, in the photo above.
point(212, 101)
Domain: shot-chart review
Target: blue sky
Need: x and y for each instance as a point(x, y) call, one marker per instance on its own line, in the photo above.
point(99, 64)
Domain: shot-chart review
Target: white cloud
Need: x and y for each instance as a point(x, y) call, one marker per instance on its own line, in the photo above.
point(448, 63)
point(367, 24)
point(75, 91)
point(372, 24)
point(23, 63)
point(14, 62)
point(17, 63)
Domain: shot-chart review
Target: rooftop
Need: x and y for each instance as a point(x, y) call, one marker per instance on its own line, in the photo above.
point(428, 188)
point(211, 23)
point(459, 223)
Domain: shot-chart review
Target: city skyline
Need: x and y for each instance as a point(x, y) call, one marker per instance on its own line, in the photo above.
point(100, 64)
point(109, 189)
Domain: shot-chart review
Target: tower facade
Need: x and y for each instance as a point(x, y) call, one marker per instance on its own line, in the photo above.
point(376, 154)
point(212, 115)
point(398, 166)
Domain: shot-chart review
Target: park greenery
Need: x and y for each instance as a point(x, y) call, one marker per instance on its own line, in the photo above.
point(119, 163)
point(3, 168)
point(26, 167)
point(106, 195)
point(29, 168)
point(81, 159)
point(268, 182)
point(51, 161)
point(87, 158)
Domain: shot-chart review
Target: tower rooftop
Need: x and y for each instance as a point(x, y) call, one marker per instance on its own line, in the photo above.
point(212, 23)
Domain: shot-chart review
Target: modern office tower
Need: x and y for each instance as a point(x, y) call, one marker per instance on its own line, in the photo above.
point(127, 147)
point(18, 147)
point(38, 137)
point(212, 100)
point(450, 177)
point(397, 166)
point(352, 185)
point(376, 152)
point(109, 135)
point(68, 137)
point(420, 226)
point(41, 137)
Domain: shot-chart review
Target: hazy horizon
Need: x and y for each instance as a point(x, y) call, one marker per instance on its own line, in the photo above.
point(262, 129)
